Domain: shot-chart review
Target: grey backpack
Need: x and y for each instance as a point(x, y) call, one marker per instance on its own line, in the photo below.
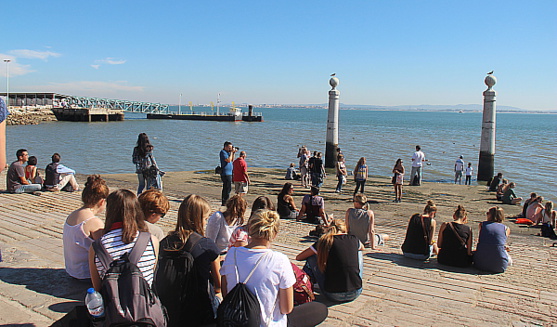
point(128, 299)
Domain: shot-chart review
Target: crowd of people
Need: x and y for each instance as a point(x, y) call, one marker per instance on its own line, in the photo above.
point(23, 175)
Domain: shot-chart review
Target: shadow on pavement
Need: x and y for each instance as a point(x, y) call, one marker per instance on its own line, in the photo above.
point(53, 282)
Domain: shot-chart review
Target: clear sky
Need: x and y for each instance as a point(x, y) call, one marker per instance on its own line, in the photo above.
point(387, 52)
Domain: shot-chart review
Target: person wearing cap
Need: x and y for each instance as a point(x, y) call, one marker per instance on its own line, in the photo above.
point(458, 169)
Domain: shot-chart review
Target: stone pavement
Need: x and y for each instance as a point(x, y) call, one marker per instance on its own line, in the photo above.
point(35, 290)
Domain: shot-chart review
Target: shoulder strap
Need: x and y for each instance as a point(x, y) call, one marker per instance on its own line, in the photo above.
point(426, 234)
point(139, 247)
point(192, 241)
point(457, 235)
point(102, 254)
point(252, 270)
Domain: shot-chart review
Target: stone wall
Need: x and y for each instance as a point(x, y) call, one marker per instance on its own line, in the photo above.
point(29, 116)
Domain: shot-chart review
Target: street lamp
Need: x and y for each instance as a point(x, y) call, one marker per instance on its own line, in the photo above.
point(7, 61)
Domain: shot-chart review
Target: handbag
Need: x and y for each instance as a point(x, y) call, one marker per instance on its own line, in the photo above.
point(462, 242)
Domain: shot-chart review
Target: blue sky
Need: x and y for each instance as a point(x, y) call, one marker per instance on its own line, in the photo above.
point(384, 52)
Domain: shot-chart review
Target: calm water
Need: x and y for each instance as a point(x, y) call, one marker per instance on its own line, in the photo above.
point(525, 152)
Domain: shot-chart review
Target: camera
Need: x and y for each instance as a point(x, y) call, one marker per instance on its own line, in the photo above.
point(236, 148)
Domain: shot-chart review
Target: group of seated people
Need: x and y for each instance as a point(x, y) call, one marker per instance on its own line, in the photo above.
point(534, 212)
point(504, 190)
point(454, 243)
point(23, 175)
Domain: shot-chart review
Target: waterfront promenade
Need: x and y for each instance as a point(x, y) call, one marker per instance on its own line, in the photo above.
point(35, 290)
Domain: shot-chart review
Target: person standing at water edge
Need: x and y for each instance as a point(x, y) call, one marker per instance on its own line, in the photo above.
point(458, 168)
point(226, 161)
point(417, 161)
point(15, 181)
point(146, 166)
point(240, 174)
point(469, 171)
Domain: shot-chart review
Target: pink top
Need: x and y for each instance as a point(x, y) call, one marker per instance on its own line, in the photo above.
point(76, 250)
point(240, 234)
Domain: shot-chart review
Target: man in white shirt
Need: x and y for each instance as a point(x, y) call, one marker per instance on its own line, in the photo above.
point(417, 161)
point(458, 169)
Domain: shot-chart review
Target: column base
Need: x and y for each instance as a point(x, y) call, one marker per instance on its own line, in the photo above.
point(486, 166)
point(330, 155)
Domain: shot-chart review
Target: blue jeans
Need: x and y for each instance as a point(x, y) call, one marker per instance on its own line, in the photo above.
point(226, 187)
point(141, 180)
point(317, 275)
point(28, 188)
point(339, 184)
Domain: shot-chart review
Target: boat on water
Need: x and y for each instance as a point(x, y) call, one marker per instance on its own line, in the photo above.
point(234, 114)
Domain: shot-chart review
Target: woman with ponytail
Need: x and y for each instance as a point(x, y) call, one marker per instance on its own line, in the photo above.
point(455, 241)
point(419, 243)
point(83, 226)
point(272, 278)
point(335, 262)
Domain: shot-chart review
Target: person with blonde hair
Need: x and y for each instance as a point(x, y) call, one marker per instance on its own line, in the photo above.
point(197, 306)
point(455, 241)
point(419, 243)
point(83, 226)
point(271, 276)
point(509, 197)
point(491, 252)
point(155, 205)
point(335, 262)
point(221, 225)
point(360, 222)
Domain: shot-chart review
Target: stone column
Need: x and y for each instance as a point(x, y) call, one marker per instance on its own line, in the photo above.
point(487, 145)
point(332, 125)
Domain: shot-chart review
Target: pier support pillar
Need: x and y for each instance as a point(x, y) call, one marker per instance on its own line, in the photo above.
point(486, 164)
point(332, 125)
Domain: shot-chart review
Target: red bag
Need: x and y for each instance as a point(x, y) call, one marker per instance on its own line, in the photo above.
point(303, 290)
point(523, 221)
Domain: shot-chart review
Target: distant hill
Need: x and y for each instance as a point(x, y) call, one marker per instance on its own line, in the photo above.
point(428, 107)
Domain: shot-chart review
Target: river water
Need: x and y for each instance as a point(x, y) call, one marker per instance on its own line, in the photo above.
point(525, 151)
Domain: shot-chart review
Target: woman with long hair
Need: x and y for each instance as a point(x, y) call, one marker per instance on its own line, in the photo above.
point(335, 262)
point(419, 243)
point(221, 225)
point(549, 219)
point(491, 252)
point(83, 226)
point(198, 308)
point(285, 202)
point(455, 241)
point(146, 168)
point(360, 175)
point(272, 277)
point(398, 179)
point(124, 220)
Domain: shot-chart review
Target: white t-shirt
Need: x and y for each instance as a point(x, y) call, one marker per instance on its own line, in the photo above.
point(469, 171)
point(219, 231)
point(417, 158)
point(459, 165)
point(273, 273)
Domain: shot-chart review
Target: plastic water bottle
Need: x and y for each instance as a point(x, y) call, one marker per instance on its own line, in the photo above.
point(94, 303)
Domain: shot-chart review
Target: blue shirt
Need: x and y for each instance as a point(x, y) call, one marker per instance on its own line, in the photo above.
point(3, 110)
point(226, 166)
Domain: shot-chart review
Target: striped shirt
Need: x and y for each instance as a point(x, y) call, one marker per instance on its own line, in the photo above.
point(112, 241)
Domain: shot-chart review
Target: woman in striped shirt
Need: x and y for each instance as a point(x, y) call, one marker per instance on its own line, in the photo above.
point(124, 221)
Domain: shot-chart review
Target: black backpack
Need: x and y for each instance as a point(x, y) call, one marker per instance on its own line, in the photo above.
point(240, 307)
point(185, 295)
point(128, 299)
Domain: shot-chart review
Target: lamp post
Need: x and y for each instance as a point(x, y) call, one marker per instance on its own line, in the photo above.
point(7, 61)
